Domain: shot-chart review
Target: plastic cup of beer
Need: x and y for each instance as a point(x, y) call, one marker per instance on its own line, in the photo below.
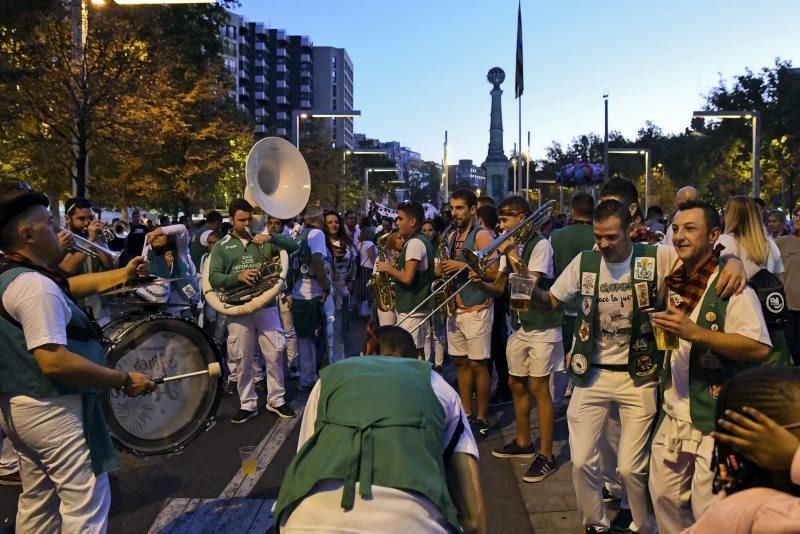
point(521, 288)
point(664, 340)
point(248, 456)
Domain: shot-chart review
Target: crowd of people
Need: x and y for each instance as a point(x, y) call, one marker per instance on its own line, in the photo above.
point(667, 341)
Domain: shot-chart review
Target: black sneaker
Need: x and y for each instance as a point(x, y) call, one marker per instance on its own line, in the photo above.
point(293, 372)
point(608, 498)
point(540, 469)
point(593, 530)
point(514, 450)
point(283, 411)
point(499, 399)
point(480, 429)
point(439, 369)
point(261, 385)
point(243, 415)
point(622, 523)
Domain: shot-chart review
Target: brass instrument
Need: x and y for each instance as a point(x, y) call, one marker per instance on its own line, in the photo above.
point(278, 181)
point(478, 261)
point(117, 230)
point(381, 283)
point(91, 248)
point(444, 295)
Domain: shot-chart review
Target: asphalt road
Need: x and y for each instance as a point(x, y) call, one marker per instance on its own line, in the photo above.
point(142, 487)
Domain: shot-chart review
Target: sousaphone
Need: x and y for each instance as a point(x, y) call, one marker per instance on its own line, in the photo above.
point(279, 183)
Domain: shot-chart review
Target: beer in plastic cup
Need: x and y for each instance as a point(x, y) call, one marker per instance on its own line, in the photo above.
point(521, 288)
point(665, 340)
point(248, 456)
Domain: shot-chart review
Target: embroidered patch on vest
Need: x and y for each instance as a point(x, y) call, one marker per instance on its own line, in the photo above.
point(714, 327)
point(676, 299)
point(588, 281)
point(711, 317)
point(775, 302)
point(645, 327)
point(586, 305)
point(579, 364)
point(714, 390)
point(644, 268)
point(641, 344)
point(583, 331)
point(642, 294)
point(644, 365)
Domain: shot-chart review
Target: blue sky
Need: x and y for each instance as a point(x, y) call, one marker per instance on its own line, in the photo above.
point(420, 65)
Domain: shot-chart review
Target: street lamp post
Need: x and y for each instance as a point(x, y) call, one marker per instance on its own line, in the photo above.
point(755, 116)
point(358, 152)
point(367, 170)
point(298, 114)
point(634, 151)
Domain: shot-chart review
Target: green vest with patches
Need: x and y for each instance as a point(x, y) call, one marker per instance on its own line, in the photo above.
point(644, 360)
point(410, 295)
point(470, 295)
point(533, 319)
point(196, 249)
point(20, 374)
point(567, 243)
point(394, 443)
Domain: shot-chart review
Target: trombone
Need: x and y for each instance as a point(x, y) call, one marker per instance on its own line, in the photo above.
point(479, 260)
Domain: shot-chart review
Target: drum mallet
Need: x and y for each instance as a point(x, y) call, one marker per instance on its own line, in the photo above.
point(213, 371)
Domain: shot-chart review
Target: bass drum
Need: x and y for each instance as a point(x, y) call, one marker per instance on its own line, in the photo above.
point(164, 421)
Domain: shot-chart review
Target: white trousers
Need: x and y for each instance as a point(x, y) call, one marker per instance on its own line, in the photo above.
point(681, 474)
point(9, 463)
point(609, 451)
point(434, 341)
point(387, 318)
point(288, 330)
point(60, 492)
point(586, 417)
point(243, 331)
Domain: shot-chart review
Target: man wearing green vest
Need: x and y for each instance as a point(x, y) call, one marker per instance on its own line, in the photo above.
point(53, 370)
point(567, 243)
point(236, 259)
point(413, 274)
point(197, 248)
point(405, 464)
point(718, 339)
point(614, 360)
point(534, 349)
point(469, 330)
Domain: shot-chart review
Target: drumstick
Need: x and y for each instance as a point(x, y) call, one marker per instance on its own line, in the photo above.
point(213, 371)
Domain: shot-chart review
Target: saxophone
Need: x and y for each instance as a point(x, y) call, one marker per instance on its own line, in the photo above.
point(381, 283)
point(445, 295)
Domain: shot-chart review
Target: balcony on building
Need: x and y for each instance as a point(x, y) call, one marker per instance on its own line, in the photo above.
point(305, 104)
point(305, 58)
point(281, 100)
point(260, 112)
point(261, 63)
point(243, 40)
point(281, 68)
point(305, 41)
point(305, 88)
point(280, 35)
point(261, 95)
point(281, 52)
point(282, 116)
point(260, 128)
point(260, 28)
point(243, 91)
point(260, 78)
point(261, 46)
point(281, 84)
point(243, 74)
point(280, 131)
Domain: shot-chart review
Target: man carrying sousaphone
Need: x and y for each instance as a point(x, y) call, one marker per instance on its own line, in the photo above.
point(53, 366)
point(235, 260)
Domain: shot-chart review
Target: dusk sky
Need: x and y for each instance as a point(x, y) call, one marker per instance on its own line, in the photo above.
point(420, 65)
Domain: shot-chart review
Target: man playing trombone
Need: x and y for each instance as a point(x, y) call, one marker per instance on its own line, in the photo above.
point(469, 330)
point(413, 274)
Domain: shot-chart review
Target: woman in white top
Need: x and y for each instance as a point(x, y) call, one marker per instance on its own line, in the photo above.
point(344, 270)
point(746, 237)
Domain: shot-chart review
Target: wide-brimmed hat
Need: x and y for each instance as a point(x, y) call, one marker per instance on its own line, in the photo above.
point(16, 197)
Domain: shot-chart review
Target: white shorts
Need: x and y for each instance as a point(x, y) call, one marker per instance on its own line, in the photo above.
point(528, 356)
point(470, 333)
point(420, 333)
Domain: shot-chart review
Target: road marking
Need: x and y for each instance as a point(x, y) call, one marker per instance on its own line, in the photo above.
point(232, 511)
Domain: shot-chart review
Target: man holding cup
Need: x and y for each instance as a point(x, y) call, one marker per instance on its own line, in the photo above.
point(717, 339)
point(614, 360)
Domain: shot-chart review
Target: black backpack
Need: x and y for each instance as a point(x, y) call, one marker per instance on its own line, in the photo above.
point(772, 297)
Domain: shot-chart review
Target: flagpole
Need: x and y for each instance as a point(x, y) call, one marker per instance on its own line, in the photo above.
point(519, 87)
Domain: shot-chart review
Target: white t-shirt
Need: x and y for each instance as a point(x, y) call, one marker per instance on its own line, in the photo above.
point(415, 250)
point(39, 305)
point(363, 254)
point(309, 288)
point(774, 264)
point(612, 319)
point(742, 316)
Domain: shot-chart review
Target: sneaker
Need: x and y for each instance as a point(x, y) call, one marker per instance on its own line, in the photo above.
point(622, 523)
point(11, 479)
point(243, 415)
point(594, 530)
point(540, 469)
point(230, 387)
point(499, 399)
point(439, 369)
point(283, 411)
point(514, 450)
point(293, 372)
point(480, 429)
point(261, 385)
point(608, 498)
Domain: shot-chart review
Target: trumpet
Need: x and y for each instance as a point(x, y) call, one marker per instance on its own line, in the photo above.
point(117, 230)
point(91, 248)
point(478, 260)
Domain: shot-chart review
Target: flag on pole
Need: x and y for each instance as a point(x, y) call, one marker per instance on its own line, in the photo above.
point(519, 85)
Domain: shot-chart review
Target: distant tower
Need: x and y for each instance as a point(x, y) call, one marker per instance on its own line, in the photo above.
point(496, 162)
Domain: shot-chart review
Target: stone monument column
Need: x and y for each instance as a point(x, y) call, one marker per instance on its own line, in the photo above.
point(496, 163)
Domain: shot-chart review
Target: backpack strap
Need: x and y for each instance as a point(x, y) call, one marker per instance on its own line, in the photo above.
point(451, 445)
